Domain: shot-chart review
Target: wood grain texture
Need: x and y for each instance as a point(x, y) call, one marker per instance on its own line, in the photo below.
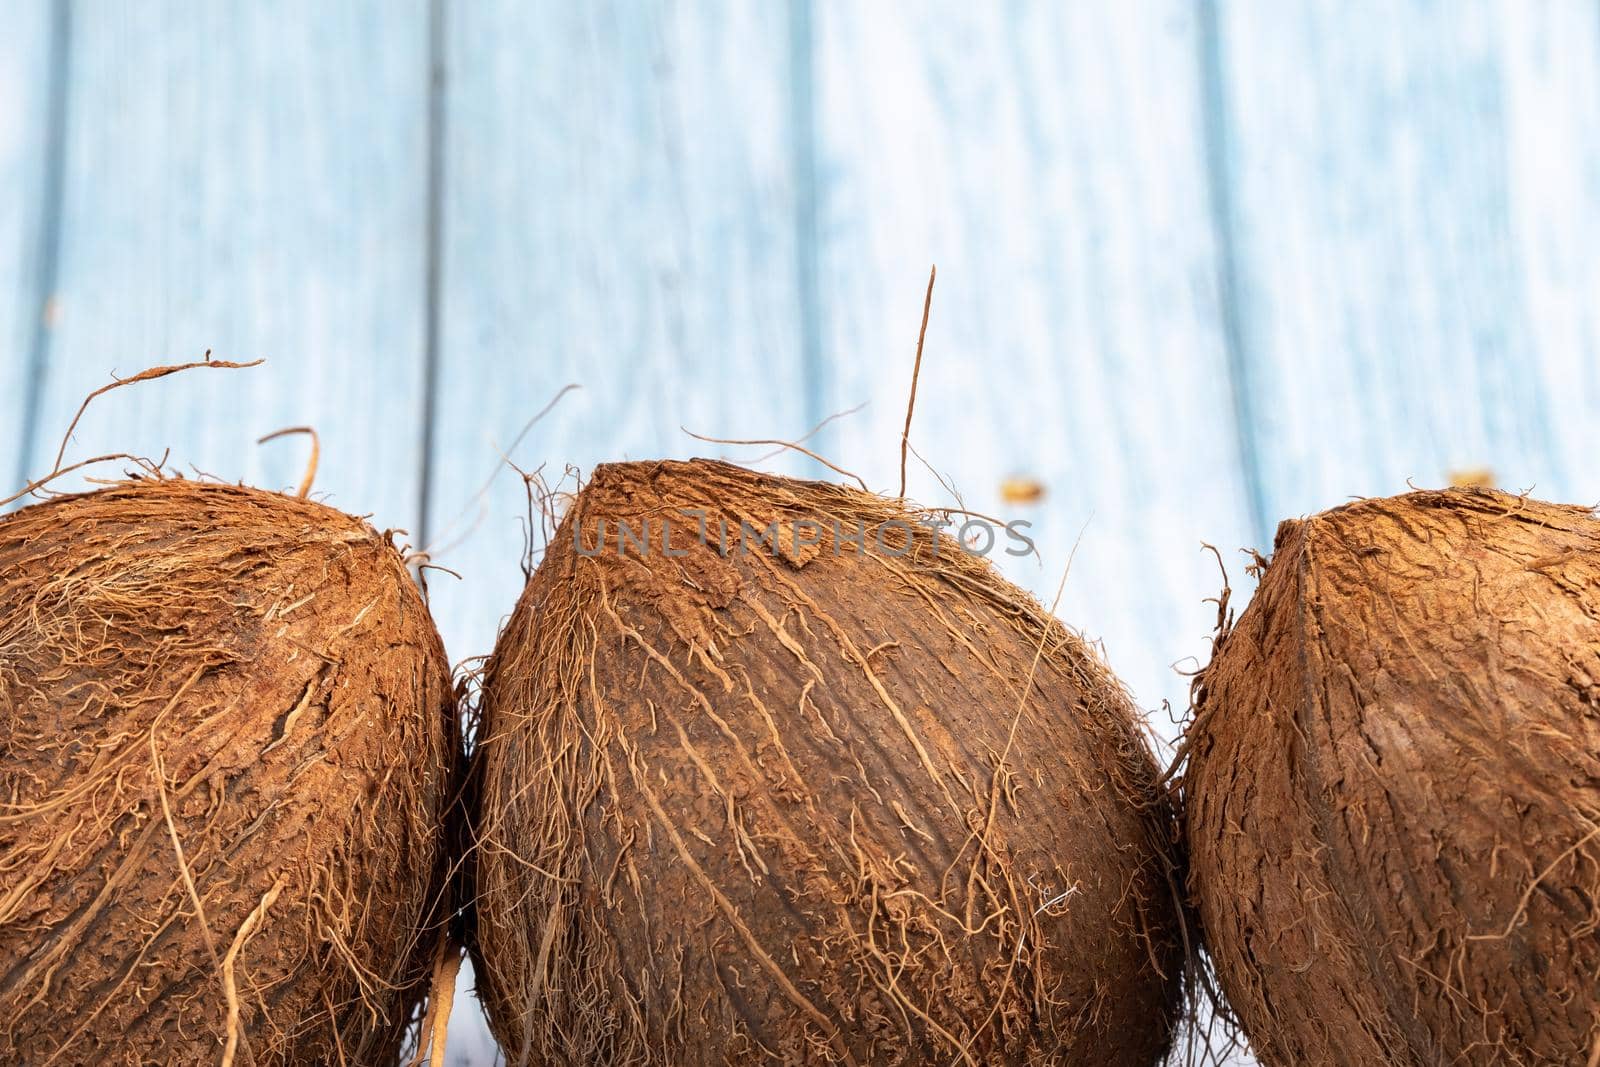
point(251, 180)
point(619, 212)
point(1051, 160)
point(1549, 54)
point(26, 82)
point(1408, 210)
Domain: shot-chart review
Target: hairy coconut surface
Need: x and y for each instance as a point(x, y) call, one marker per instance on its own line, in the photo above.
point(1393, 797)
point(823, 805)
point(226, 746)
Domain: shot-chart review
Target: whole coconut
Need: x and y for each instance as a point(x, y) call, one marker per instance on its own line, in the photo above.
point(1393, 799)
point(781, 792)
point(226, 747)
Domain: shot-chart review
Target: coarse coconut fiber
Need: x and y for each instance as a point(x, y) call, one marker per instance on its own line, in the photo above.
point(831, 803)
point(1393, 795)
point(227, 743)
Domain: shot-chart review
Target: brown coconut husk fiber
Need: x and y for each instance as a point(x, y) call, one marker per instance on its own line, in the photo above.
point(1393, 795)
point(227, 744)
point(811, 806)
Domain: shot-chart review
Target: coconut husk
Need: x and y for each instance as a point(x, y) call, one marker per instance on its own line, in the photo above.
point(1394, 787)
point(816, 804)
point(227, 744)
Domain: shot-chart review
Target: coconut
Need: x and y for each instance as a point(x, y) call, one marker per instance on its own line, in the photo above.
point(1393, 794)
point(770, 772)
point(227, 743)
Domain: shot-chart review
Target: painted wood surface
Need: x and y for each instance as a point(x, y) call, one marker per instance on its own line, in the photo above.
point(619, 213)
point(1201, 266)
point(1407, 210)
point(247, 179)
point(29, 88)
point(1549, 56)
point(1052, 160)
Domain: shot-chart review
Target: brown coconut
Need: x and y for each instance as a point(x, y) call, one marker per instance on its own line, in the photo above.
point(811, 805)
point(226, 746)
point(1393, 796)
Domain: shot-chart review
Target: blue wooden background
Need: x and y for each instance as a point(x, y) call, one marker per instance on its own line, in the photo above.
point(1201, 266)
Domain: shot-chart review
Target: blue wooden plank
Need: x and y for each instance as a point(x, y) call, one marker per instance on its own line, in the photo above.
point(252, 180)
point(30, 94)
point(1051, 159)
point(620, 199)
point(1414, 213)
point(619, 189)
point(1549, 54)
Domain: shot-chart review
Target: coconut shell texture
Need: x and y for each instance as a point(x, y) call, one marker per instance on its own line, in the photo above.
point(216, 693)
point(1393, 797)
point(808, 806)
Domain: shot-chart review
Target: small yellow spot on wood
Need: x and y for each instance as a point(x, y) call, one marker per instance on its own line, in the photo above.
point(1021, 490)
point(1472, 478)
